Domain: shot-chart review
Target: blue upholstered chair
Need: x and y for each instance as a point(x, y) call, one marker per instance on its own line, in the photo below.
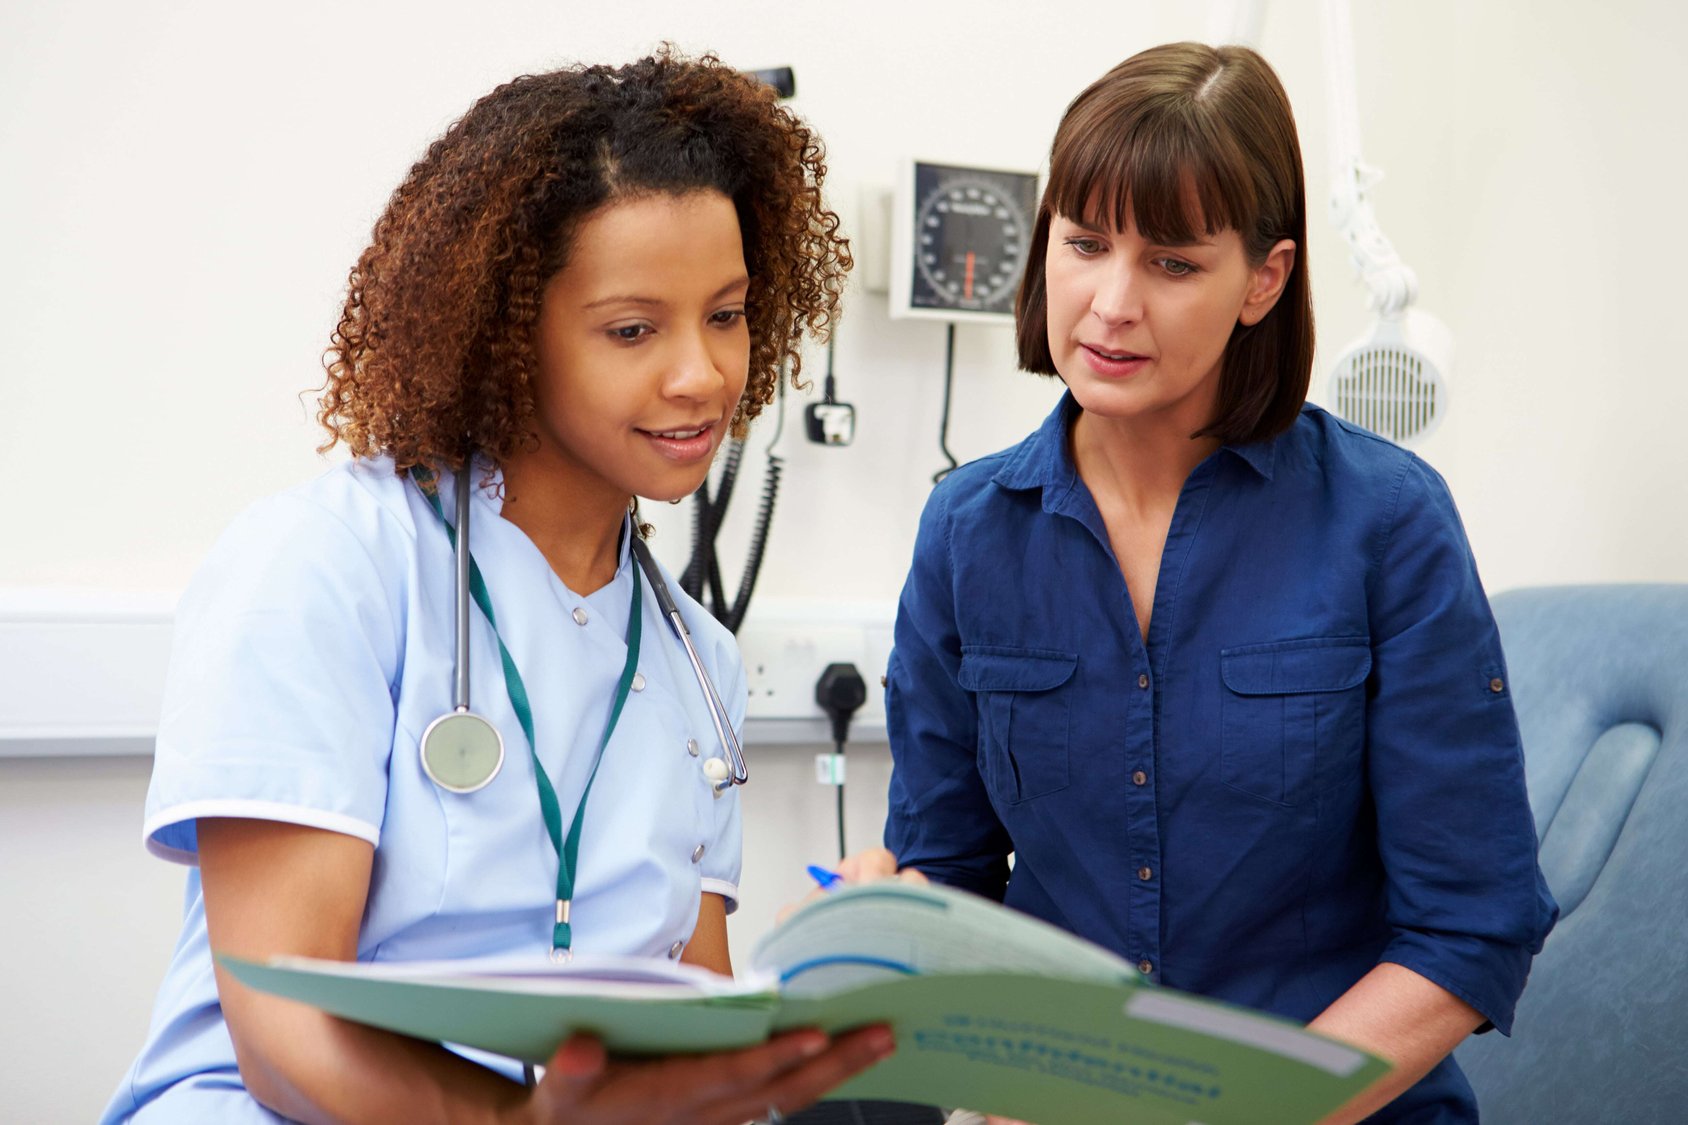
point(1600, 680)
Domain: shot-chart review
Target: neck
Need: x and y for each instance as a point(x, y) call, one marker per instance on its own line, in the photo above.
point(576, 525)
point(1125, 462)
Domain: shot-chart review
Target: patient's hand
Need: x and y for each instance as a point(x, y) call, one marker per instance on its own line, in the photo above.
point(863, 867)
point(873, 865)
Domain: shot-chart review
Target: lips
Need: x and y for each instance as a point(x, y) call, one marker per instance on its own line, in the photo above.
point(1112, 363)
point(687, 442)
point(1112, 355)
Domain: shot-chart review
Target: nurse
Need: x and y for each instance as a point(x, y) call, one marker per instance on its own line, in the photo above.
point(576, 293)
point(1212, 666)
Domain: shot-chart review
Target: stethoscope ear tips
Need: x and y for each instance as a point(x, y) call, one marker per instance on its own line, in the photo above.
point(715, 769)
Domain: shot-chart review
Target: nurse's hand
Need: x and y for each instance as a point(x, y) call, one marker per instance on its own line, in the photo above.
point(583, 1086)
point(862, 867)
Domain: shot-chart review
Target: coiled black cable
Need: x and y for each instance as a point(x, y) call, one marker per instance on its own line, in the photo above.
point(702, 575)
point(758, 542)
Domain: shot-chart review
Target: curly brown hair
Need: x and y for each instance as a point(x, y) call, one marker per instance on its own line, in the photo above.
point(434, 354)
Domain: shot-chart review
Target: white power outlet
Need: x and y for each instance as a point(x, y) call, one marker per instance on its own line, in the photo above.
point(787, 645)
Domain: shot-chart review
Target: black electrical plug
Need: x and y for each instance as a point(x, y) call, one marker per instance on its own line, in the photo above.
point(830, 422)
point(840, 691)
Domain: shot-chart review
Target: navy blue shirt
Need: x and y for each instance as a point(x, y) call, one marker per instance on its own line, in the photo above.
point(1309, 766)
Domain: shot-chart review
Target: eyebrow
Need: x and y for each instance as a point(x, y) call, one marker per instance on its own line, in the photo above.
point(630, 299)
point(1094, 229)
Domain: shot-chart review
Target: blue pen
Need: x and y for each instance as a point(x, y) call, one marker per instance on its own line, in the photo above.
point(827, 879)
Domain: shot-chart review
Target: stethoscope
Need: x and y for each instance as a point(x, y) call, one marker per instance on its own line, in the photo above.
point(463, 751)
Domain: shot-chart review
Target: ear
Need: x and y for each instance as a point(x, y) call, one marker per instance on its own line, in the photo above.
point(1268, 282)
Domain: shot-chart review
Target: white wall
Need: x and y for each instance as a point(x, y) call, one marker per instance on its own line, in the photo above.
point(183, 186)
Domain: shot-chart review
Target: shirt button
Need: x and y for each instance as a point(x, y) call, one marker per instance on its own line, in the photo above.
point(580, 617)
point(674, 951)
point(1497, 685)
point(691, 747)
point(697, 853)
point(1139, 778)
point(1145, 874)
point(1145, 966)
point(638, 681)
point(1143, 680)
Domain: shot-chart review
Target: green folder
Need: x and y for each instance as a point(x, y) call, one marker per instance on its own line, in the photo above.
point(992, 1010)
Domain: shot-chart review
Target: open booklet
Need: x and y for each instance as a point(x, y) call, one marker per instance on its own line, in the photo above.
point(992, 1009)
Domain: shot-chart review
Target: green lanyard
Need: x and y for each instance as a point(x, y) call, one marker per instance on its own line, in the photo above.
point(568, 850)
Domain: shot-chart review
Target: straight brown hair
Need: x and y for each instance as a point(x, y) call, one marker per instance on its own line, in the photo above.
point(1192, 140)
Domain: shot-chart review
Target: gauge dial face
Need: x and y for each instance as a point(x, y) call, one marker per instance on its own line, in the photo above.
point(971, 231)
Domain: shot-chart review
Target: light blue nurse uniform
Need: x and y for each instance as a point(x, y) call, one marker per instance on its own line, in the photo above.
point(311, 651)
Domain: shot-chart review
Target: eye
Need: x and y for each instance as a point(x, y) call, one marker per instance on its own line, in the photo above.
point(727, 317)
point(1084, 247)
point(1176, 267)
point(630, 333)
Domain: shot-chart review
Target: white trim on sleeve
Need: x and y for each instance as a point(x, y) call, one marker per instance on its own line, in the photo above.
point(252, 810)
point(726, 890)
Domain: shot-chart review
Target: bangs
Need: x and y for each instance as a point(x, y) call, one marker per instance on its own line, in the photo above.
point(1179, 182)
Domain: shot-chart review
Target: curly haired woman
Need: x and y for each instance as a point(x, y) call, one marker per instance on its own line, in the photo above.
point(577, 292)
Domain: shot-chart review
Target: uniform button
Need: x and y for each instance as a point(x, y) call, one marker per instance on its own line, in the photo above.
point(697, 853)
point(1497, 685)
point(674, 951)
point(638, 681)
point(1145, 966)
point(691, 747)
point(1139, 778)
point(1143, 680)
point(580, 617)
point(1145, 874)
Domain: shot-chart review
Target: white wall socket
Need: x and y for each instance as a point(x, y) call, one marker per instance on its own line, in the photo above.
point(787, 644)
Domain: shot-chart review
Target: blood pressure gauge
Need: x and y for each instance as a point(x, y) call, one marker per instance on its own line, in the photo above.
point(959, 239)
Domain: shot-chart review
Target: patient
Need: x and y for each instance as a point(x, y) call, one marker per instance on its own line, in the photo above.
point(1212, 666)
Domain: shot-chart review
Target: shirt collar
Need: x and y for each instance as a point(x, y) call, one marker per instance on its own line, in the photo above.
point(1045, 461)
point(1261, 456)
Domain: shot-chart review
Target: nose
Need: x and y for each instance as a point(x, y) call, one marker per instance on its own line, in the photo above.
point(693, 372)
point(1117, 299)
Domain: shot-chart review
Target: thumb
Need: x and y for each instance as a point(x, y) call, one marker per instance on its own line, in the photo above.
point(580, 1059)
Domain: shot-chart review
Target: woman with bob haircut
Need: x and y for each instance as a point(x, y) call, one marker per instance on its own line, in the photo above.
point(1212, 665)
point(573, 296)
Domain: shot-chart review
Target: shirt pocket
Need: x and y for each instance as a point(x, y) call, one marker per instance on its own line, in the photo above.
point(1024, 711)
point(1283, 701)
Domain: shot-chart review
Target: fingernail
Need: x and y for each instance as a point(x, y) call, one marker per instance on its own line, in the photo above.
point(881, 1041)
point(811, 1045)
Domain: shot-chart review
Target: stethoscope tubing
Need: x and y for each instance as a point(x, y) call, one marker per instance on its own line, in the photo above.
point(717, 710)
point(739, 771)
point(460, 698)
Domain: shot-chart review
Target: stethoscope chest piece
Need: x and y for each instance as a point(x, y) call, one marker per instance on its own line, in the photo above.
point(462, 752)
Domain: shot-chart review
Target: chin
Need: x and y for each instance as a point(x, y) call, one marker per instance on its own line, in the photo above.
point(670, 490)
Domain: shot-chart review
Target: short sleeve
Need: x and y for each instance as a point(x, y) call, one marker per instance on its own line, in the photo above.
point(940, 817)
point(723, 858)
point(1465, 897)
point(279, 703)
